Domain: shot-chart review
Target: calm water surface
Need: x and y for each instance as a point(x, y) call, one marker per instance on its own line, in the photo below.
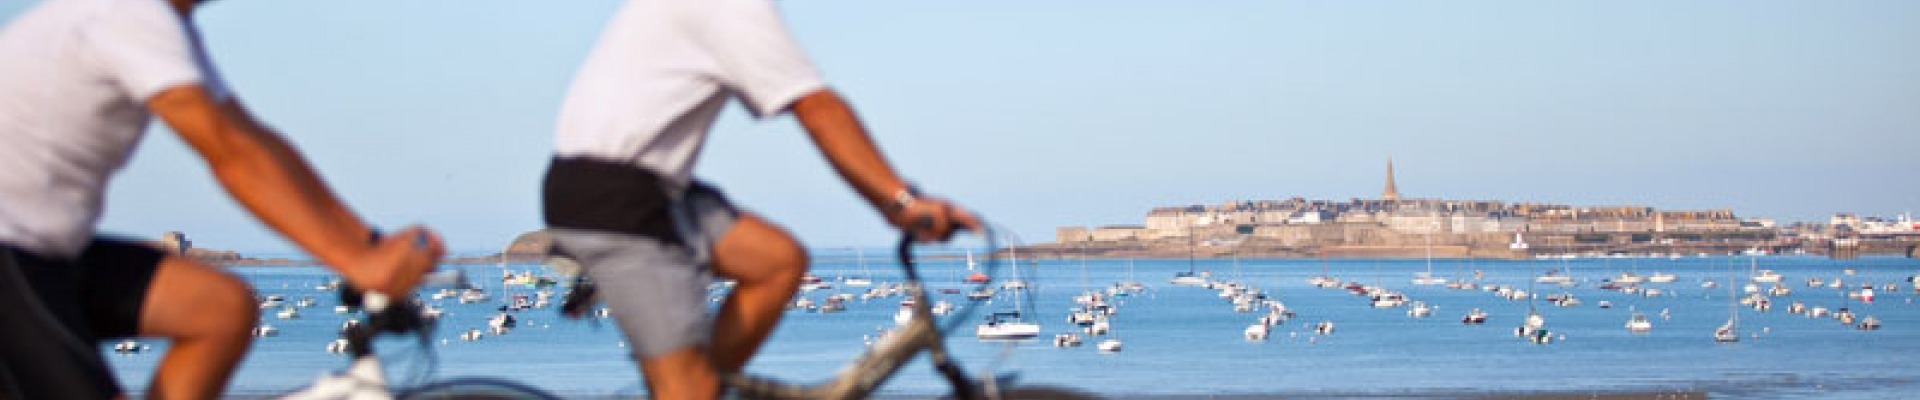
point(1188, 341)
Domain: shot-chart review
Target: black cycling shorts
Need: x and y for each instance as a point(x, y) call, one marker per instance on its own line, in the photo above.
point(55, 313)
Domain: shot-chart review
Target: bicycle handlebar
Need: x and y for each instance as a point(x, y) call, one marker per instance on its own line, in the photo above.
point(384, 314)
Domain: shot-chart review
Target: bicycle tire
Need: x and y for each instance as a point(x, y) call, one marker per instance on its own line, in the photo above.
point(475, 389)
point(1046, 393)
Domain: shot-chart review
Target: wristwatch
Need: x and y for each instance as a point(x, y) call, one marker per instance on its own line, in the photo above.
point(902, 199)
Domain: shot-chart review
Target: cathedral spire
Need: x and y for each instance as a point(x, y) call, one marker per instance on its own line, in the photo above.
point(1392, 193)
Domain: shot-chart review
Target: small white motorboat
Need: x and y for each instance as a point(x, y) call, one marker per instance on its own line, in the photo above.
point(337, 346)
point(265, 330)
point(471, 296)
point(1474, 317)
point(1389, 300)
point(1420, 310)
point(1109, 346)
point(1638, 323)
point(1257, 332)
point(833, 305)
point(273, 301)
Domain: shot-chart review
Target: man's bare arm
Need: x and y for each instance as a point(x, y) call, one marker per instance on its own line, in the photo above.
point(269, 178)
point(841, 137)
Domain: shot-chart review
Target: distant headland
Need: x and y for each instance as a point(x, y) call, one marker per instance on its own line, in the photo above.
point(528, 247)
point(1395, 227)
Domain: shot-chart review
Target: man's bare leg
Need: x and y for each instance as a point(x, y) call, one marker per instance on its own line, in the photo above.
point(207, 314)
point(683, 374)
point(767, 264)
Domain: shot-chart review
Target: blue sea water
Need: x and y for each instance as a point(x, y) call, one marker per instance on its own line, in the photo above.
point(1187, 341)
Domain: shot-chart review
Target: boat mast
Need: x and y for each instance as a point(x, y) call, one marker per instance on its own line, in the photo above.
point(1429, 236)
point(1190, 253)
point(1530, 295)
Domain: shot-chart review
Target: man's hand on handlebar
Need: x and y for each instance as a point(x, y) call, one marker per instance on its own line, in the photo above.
point(396, 263)
point(930, 219)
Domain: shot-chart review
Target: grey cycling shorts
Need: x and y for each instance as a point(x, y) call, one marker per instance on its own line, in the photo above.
point(656, 290)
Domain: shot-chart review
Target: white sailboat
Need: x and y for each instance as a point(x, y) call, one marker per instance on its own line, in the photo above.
point(1533, 327)
point(1006, 326)
point(861, 280)
point(1726, 333)
point(1129, 286)
point(1427, 278)
point(1010, 325)
point(1014, 282)
point(1188, 278)
point(1729, 332)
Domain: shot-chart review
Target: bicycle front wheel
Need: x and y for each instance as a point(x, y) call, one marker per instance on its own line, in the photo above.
point(475, 389)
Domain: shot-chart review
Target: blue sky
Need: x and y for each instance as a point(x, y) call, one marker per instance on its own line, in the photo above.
point(1054, 113)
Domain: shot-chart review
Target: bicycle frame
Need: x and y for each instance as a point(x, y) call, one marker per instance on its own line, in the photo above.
point(880, 363)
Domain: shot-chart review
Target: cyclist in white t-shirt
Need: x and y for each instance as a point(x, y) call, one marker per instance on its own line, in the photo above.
point(79, 80)
point(621, 199)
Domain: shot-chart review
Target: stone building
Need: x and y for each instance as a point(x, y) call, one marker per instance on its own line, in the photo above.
point(175, 242)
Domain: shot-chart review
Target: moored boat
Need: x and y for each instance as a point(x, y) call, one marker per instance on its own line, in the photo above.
point(1474, 317)
point(1662, 277)
point(1638, 323)
point(1006, 326)
point(130, 346)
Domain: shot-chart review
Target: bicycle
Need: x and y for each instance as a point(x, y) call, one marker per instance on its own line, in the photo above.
point(888, 355)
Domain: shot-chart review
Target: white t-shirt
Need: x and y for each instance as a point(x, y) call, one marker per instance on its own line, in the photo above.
point(663, 69)
point(74, 79)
